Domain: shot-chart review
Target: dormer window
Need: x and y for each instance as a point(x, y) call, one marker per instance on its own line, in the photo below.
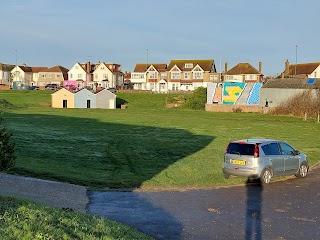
point(188, 65)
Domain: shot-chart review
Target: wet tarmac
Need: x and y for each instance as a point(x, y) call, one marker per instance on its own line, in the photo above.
point(282, 210)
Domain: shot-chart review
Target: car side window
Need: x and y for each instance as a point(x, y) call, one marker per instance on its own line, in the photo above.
point(274, 149)
point(265, 149)
point(286, 149)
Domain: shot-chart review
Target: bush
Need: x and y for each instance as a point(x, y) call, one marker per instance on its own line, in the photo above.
point(7, 155)
point(305, 102)
point(198, 99)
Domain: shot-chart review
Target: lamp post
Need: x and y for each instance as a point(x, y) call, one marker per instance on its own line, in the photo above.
point(295, 68)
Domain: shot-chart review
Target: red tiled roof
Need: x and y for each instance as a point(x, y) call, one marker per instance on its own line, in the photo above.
point(302, 68)
point(206, 65)
point(32, 69)
point(242, 68)
point(142, 67)
point(57, 69)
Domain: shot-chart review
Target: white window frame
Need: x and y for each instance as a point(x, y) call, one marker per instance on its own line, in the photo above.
point(197, 75)
point(187, 75)
point(188, 65)
point(175, 75)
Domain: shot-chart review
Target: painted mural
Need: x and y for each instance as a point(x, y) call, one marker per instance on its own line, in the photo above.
point(232, 91)
point(254, 97)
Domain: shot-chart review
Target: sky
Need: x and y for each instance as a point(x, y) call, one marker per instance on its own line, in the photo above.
point(127, 32)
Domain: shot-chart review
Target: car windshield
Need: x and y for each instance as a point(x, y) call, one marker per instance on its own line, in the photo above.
point(241, 149)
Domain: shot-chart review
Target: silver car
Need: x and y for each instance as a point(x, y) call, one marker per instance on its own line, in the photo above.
point(263, 159)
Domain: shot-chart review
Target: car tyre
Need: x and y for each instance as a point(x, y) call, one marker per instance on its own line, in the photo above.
point(226, 176)
point(265, 176)
point(303, 171)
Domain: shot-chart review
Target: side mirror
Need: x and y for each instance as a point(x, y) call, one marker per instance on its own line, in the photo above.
point(296, 152)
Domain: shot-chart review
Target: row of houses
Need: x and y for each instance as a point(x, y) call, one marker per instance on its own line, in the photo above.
point(179, 75)
point(81, 75)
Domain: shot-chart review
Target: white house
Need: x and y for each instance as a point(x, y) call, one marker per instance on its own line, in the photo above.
point(107, 75)
point(105, 99)
point(23, 76)
point(5, 73)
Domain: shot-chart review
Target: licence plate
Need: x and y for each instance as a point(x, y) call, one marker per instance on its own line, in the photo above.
point(239, 162)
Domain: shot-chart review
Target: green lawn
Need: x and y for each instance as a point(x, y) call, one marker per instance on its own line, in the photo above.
point(143, 145)
point(21, 219)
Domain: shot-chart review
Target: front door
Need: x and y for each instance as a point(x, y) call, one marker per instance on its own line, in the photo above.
point(65, 104)
point(88, 103)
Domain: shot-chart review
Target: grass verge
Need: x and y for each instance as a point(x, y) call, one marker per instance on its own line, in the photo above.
point(21, 219)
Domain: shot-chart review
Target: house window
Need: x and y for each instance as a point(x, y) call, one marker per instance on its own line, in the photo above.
point(188, 65)
point(215, 77)
point(197, 75)
point(36, 75)
point(77, 67)
point(43, 75)
point(102, 68)
point(70, 75)
point(80, 75)
point(50, 75)
point(163, 75)
point(105, 76)
point(187, 75)
point(229, 77)
point(175, 75)
point(153, 75)
point(315, 74)
point(57, 75)
point(96, 76)
point(187, 87)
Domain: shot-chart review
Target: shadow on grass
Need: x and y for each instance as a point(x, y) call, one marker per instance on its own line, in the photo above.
point(98, 154)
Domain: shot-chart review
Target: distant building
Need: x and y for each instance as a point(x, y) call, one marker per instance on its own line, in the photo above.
point(243, 72)
point(25, 76)
point(5, 73)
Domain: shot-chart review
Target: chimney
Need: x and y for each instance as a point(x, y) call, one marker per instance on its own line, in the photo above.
point(225, 67)
point(88, 67)
point(260, 67)
point(286, 69)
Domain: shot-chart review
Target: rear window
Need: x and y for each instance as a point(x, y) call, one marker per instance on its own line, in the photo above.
point(242, 149)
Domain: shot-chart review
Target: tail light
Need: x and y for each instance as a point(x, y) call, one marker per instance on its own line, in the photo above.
point(256, 151)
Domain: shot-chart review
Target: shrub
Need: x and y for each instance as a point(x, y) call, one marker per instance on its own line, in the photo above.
point(198, 99)
point(7, 155)
point(305, 102)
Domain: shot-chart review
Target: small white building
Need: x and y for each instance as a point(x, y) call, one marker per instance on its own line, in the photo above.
point(84, 99)
point(106, 99)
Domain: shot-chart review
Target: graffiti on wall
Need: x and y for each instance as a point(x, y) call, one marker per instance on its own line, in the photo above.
point(231, 92)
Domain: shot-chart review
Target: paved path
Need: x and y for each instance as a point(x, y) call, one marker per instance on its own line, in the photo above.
point(55, 194)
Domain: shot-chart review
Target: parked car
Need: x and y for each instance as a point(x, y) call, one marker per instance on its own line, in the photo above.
point(33, 88)
point(51, 86)
point(113, 90)
point(263, 159)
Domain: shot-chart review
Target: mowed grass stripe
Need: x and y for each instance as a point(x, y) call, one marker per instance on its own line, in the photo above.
point(144, 145)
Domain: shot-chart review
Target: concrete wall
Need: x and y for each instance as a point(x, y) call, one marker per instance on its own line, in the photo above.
point(274, 96)
point(235, 108)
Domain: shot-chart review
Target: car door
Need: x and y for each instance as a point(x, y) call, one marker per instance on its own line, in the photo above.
point(276, 159)
point(291, 160)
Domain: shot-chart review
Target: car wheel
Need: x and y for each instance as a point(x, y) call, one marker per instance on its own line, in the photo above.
point(303, 171)
point(265, 176)
point(226, 176)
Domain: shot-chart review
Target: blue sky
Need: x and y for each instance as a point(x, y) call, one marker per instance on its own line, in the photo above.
point(63, 32)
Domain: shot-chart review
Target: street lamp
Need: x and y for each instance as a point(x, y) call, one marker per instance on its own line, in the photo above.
point(295, 68)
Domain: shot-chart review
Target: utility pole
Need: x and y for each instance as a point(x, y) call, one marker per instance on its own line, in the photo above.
point(295, 68)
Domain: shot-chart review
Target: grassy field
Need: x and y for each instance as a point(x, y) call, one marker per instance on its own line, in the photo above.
point(25, 220)
point(144, 145)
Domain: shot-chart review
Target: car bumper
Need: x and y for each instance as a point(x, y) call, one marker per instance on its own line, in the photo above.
point(241, 171)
